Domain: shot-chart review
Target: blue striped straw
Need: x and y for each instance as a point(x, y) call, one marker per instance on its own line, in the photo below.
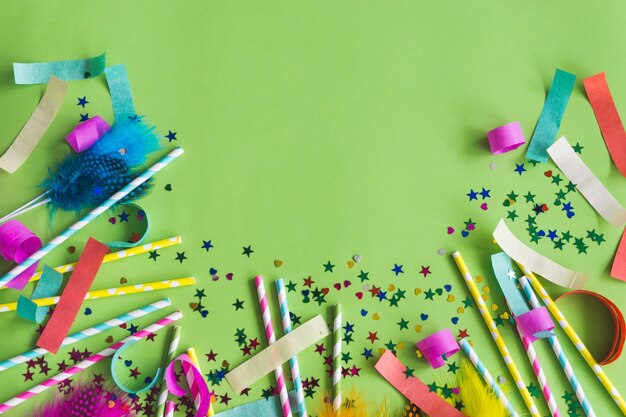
point(480, 367)
point(127, 189)
point(560, 354)
point(293, 362)
point(92, 331)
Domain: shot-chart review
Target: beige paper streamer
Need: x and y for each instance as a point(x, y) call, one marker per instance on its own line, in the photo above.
point(35, 126)
point(278, 353)
point(587, 183)
point(536, 262)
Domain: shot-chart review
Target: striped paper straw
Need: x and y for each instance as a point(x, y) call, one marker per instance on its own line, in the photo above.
point(495, 334)
point(127, 189)
point(541, 376)
point(171, 355)
point(121, 254)
point(293, 362)
point(92, 331)
point(560, 354)
point(337, 360)
point(193, 356)
point(573, 336)
point(484, 372)
point(169, 409)
point(111, 292)
point(81, 366)
point(271, 338)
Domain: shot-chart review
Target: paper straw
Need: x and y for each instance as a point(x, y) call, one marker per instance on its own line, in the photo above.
point(169, 409)
point(495, 334)
point(573, 336)
point(127, 189)
point(560, 354)
point(84, 334)
point(484, 372)
point(271, 338)
point(171, 355)
point(193, 356)
point(81, 366)
point(293, 362)
point(337, 360)
point(121, 254)
point(111, 292)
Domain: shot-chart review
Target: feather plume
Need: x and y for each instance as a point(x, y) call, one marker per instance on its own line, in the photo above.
point(354, 405)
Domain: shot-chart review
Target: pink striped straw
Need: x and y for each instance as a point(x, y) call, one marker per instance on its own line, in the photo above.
point(170, 406)
point(541, 376)
point(271, 338)
point(81, 366)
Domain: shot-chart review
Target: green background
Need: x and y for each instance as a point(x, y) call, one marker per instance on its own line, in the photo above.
point(315, 131)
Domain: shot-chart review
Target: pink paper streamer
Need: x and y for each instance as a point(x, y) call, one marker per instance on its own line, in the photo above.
point(437, 346)
point(87, 133)
point(533, 322)
point(202, 397)
point(17, 243)
point(506, 138)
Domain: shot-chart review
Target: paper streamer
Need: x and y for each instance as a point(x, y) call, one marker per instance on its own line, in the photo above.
point(17, 243)
point(438, 346)
point(278, 353)
point(587, 183)
point(73, 295)
point(608, 119)
point(545, 267)
point(619, 325)
point(202, 407)
point(506, 138)
point(117, 357)
point(48, 286)
point(122, 244)
point(87, 133)
point(35, 127)
point(551, 115)
point(618, 269)
point(40, 72)
point(121, 95)
point(413, 388)
point(535, 323)
point(269, 407)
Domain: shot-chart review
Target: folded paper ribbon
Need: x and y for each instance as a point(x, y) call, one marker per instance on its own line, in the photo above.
point(39, 72)
point(116, 358)
point(619, 325)
point(438, 346)
point(87, 133)
point(16, 244)
point(618, 269)
point(48, 286)
point(506, 138)
point(202, 406)
point(121, 94)
point(535, 324)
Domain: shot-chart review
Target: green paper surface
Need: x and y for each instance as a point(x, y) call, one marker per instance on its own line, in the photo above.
point(314, 132)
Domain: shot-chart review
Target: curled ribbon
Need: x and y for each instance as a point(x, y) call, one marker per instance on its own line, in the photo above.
point(535, 324)
point(87, 133)
point(119, 383)
point(506, 138)
point(17, 243)
point(202, 398)
point(438, 346)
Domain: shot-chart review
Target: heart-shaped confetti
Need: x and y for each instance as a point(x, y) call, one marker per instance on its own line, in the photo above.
point(454, 320)
point(548, 173)
point(460, 310)
point(337, 286)
point(359, 295)
point(128, 363)
point(123, 280)
point(418, 328)
point(493, 166)
point(450, 230)
point(450, 298)
point(87, 311)
point(109, 339)
point(381, 351)
point(346, 283)
point(205, 313)
point(464, 233)
point(391, 287)
point(494, 307)
point(486, 289)
point(193, 306)
point(484, 206)
point(112, 220)
point(441, 251)
point(400, 345)
point(123, 326)
point(376, 316)
point(506, 203)
point(212, 271)
point(229, 276)
point(363, 312)
point(357, 258)
point(111, 404)
point(418, 354)
point(71, 249)
point(215, 277)
point(544, 207)
point(148, 379)
point(168, 187)
point(570, 214)
point(485, 297)
point(424, 316)
point(447, 287)
point(325, 290)
point(439, 291)
point(350, 264)
point(418, 291)
point(305, 293)
point(278, 263)
point(479, 278)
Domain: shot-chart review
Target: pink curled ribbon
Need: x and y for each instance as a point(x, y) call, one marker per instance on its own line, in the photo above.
point(535, 324)
point(87, 133)
point(506, 138)
point(438, 346)
point(197, 387)
point(17, 243)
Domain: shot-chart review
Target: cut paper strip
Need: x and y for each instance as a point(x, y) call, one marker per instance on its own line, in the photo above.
point(121, 95)
point(536, 262)
point(35, 127)
point(202, 406)
point(73, 295)
point(587, 183)
point(269, 407)
point(39, 72)
point(128, 243)
point(17, 243)
point(551, 115)
point(47, 286)
point(413, 388)
point(535, 324)
point(619, 325)
point(87, 133)
point(437, 347)
point(608, 119)
point(506, 138)
point(618, 269)
point(278, 353)
point(117, 357)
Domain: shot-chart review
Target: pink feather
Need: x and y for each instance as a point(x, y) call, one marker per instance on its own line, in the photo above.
point(89, 400)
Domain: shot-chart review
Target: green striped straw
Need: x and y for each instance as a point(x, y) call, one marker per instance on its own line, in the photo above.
point(337, 360)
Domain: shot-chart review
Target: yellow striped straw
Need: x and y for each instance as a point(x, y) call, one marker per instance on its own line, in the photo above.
point(495, 334)
point(121, 254)
point(191, 352)
point(580, 346)
point(111, 292)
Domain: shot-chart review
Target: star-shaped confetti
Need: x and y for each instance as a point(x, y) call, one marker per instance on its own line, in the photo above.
point(206, 245)
point(328, 267)
point(519, 168)
point(238, 304)
point(425, 270)
point(82, 101)
point(397, 269)
point(247, 250)
point(153, 255)
point(180, 256)
point(171, 136)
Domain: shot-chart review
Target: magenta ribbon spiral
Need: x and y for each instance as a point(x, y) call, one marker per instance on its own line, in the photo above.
point(87, 133)
point(438, 346)
point(17, 243)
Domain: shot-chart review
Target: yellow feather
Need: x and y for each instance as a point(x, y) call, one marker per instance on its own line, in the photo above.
point(479, 400)
point(354, 405)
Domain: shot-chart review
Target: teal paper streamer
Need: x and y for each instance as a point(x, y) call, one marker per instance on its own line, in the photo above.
point(40, 72)
point(115, 360)
point(551, 116)
point(48, 286)
point(121, 95)
point(261, 408)
point(125, 245)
